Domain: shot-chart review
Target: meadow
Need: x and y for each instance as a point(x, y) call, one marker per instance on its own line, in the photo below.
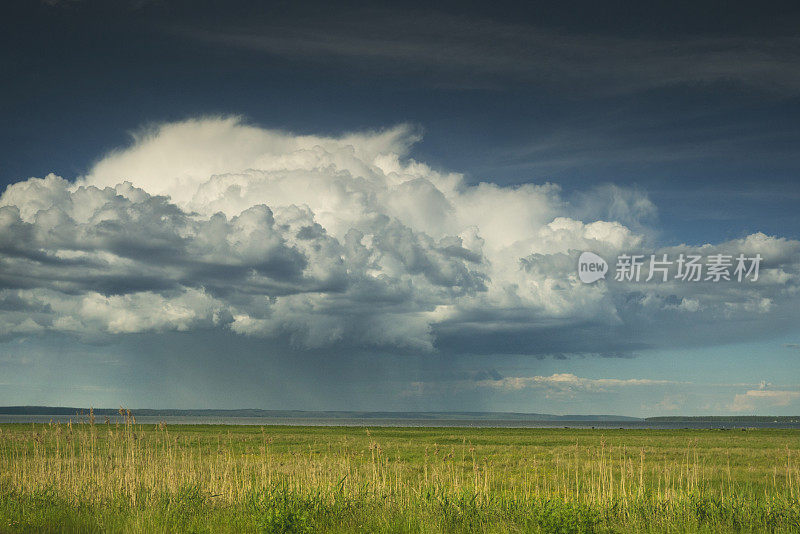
point(121, 476)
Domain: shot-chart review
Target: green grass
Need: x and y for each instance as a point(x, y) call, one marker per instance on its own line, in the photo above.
point(138, 478)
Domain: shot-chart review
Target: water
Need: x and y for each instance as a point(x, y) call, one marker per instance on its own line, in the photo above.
point(408, 422)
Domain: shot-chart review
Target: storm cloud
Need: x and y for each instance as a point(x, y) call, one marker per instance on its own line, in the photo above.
point(348, 242)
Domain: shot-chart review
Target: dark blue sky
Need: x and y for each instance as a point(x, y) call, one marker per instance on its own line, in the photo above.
point(679, 120)
point(695, 104)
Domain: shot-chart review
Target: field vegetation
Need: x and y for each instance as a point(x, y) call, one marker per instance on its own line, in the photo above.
point(120, 476)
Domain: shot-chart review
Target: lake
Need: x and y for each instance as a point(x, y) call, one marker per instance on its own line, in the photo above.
point(407, 422)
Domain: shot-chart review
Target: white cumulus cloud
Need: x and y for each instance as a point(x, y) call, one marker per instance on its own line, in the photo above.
point(325, 241)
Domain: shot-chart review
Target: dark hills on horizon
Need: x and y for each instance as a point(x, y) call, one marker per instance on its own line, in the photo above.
point(310, 414)
point(338, 414)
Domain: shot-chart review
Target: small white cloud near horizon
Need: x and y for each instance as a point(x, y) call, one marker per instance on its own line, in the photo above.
point(569, 381)
point(759, 399)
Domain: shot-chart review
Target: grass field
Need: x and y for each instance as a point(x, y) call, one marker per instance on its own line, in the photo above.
point(153, 478)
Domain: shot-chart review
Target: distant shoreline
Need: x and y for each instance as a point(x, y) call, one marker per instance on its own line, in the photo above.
point(359, 415)
point(310, 414)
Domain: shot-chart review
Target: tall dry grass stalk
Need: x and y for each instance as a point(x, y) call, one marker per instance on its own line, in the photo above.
point(95, 463)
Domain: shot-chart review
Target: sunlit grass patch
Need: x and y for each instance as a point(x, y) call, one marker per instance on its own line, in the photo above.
point(144, 478)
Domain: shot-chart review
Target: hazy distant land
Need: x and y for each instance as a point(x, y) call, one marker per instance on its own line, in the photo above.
point(445, 416)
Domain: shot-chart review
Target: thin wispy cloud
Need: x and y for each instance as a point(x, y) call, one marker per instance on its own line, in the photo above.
point(569, 381)
point(476, 51)
point(763, 398)
point(674, 395)
point(611, 139)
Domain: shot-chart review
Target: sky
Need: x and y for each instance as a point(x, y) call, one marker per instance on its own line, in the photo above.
point(382, 206)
